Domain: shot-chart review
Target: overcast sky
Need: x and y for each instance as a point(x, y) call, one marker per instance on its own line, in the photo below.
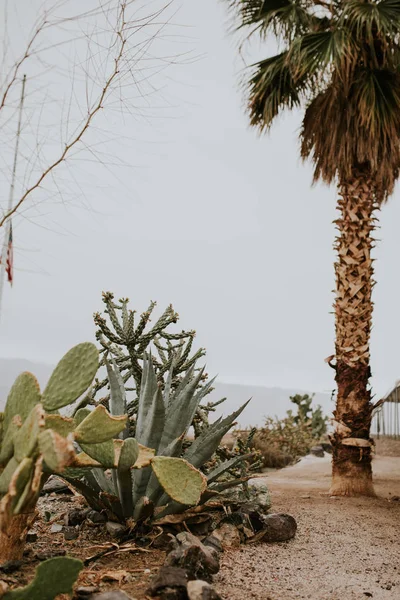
point(204, 214)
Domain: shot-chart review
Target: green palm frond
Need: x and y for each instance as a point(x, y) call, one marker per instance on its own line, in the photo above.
point(272, 88)
point(342, 61)
point(248, 11)
point(370, 19)
point(283, 17)
point(317, 51)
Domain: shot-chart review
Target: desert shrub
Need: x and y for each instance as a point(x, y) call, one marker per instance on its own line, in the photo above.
point(281, 442)
point(307, 414)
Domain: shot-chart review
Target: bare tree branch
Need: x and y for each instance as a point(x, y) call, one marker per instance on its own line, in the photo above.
point(121, 42)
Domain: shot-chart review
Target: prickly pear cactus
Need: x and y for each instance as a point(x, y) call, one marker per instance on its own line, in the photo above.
point(180, 480)
point(34, 442)
point(53, 577)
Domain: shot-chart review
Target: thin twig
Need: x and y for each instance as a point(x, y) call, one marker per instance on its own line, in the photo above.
point(87, 122)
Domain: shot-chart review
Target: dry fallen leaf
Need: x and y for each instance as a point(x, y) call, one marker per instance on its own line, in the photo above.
point(118, 575)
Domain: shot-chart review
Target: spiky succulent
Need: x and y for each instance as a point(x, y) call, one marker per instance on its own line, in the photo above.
point(163, 420)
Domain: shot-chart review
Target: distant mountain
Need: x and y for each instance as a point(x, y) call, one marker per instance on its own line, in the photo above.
point(265, 401)
point(10, 368)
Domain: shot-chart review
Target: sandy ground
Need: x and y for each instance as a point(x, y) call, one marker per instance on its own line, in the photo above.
point(344, 549)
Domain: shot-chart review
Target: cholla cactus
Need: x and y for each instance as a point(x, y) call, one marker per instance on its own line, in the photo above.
point(127, 339)
point(163, 420)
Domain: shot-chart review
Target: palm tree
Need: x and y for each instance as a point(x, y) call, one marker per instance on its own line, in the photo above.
point(340, 61)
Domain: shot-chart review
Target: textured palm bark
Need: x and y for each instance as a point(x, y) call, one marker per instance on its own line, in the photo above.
point(12, 540)
point(351, 457)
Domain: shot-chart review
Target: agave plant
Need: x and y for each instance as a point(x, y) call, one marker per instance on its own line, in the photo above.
point(164, 417)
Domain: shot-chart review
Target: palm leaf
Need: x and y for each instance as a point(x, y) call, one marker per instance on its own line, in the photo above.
point(271, 88)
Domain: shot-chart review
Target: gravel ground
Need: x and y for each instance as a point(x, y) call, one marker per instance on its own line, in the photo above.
point(344, 549)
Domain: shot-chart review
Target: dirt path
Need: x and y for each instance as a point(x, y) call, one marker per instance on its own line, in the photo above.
point(344, 549)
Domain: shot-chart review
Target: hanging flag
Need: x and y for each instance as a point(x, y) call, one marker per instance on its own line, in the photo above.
point(10, 257)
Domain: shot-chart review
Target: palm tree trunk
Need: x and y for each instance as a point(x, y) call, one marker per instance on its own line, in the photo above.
point(351, 457)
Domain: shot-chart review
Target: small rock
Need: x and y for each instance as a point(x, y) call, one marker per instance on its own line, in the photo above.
point(31, 536)
point(162, 541)
point(76, 516)
point(198, 560)
point(277, 528)
point(56, 528)
point(201, 590)
point(213, 542)
point(305, 497)
point(169, 580)
point(115, 529)
point(96, 517)
point(53, 484)
point(50, 554)
point(260, 495)
point(228, 535)
point(85, 591)
point(317, 451)
point(111, 595)
point(10, 566)
point(70, 533)
point(395, 499)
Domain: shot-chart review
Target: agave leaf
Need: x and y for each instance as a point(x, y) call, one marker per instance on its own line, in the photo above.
point(225, 466)
point(104, 482)
point(151, 437)
point(185, 381)
point(148, 390)
point(168, 383)
point(220, 486)
point(180, 412)
point(206, 444)
point(117, 393)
